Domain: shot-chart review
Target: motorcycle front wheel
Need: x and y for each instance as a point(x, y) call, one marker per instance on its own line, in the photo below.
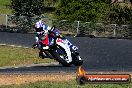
point(61, 56)
point(77, 60)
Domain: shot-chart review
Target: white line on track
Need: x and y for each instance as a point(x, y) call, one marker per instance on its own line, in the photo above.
point(19, 46)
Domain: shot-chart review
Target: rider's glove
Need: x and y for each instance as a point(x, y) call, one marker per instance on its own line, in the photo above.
point(34, 46)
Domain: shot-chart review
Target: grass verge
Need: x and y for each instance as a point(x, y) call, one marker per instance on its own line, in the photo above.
point(12, 56)
point(66, 84)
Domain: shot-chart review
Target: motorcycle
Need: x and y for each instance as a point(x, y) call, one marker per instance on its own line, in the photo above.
point(59, 48)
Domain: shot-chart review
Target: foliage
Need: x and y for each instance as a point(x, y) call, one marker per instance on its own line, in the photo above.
point(120, 15)
point(94, 11)
point(4, 2)
point(83, 10)
point(50, 3)
point(27, 7)
point(22, 24)
point(5, 7)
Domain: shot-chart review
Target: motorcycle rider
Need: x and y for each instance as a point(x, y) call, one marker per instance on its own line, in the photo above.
point(41, 28)
point(54, 33)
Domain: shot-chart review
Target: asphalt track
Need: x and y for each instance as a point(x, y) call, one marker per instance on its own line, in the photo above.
point(99, 54)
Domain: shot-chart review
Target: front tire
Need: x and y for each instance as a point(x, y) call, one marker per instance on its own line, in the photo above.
point(61, 58)
point(77, 61)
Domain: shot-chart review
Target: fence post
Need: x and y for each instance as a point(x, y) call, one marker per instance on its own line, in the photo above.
point(78, 22)
point(6, 21)
point(114, 29)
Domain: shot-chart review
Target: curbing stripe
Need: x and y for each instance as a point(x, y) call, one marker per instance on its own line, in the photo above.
point(2, 44)
point(18, 46)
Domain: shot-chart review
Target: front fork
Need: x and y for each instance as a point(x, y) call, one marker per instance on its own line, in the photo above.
point(75, 55)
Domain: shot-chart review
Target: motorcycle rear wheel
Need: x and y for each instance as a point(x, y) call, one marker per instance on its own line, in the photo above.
point(41, 55)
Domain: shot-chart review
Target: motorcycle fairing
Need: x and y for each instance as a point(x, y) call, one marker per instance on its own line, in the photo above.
point(64, 45)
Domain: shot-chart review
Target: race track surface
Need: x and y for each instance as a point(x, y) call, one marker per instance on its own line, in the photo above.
point(99, 54)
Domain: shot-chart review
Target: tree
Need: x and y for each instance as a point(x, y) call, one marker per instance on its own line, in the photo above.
point(24, 10)
point(83, 10)
point(94, 11)
point(120, 15)
point(27, 7)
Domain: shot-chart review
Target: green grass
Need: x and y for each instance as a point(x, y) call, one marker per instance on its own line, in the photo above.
point(5, 2)
point(10, 56)
point(66, 84)
point(5, 7)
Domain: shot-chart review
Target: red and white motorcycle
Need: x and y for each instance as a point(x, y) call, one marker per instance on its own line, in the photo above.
point(60, 49)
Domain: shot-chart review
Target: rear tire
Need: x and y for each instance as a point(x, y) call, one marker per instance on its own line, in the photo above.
point(41, 55)
point(44, 54)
